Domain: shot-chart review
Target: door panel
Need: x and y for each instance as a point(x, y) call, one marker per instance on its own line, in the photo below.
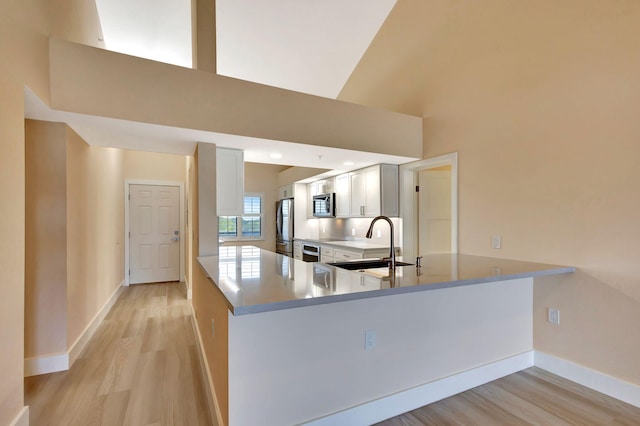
point(154, 233)
point(434, 211)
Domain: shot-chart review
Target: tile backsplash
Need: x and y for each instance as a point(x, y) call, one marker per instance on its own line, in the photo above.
point(356, 229)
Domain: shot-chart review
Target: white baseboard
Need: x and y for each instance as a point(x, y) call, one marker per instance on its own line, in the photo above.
point(46, 364)
point(603, 383)
point(402, 402)
point(22, 419)
point(88, 332)
point(189, 294)
point(63, 361)
point(212, 401)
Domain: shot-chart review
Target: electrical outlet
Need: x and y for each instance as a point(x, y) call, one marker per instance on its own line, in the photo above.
point(353, 231)
point(496, 241)
point(379, 233)
point(369, 339)
point(553, 316)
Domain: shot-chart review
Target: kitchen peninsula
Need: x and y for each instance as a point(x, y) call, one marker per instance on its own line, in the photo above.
point(296, 332)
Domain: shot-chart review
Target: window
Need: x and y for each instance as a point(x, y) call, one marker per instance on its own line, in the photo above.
point(245, 227)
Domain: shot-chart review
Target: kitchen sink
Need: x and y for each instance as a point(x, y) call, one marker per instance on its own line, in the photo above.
point(354, 265)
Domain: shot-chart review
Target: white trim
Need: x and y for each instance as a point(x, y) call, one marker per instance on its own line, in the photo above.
point(603, 383)
point(46, 364)
point(90, 329)
point(22, 419)
point(189, 294)
point(128, 182)
point(408, 400)
point(63, 361)
point(408, 207)
point(215, 413)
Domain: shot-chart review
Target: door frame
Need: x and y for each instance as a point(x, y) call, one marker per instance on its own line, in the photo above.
point(129, 182)
point(409, 205)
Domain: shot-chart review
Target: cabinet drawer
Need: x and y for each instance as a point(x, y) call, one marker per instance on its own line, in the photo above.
point(346, 255)
point(326, 251)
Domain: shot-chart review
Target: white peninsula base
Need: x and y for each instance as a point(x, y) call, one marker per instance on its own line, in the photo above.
point(310, 365)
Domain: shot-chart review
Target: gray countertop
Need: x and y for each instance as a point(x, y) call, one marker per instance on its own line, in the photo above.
point(253, 280)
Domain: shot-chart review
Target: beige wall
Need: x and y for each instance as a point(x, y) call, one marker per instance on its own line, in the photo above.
point(208, 305)
point(541, 100)
point(75, 226)
point(154, 166)
point(190, 230)
point(45, 239)
point(95, 222)
point(24, 28)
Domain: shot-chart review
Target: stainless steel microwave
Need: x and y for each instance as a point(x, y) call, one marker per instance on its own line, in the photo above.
point(324, 205)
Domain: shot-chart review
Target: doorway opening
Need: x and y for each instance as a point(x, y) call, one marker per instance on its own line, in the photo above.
point(429, 206)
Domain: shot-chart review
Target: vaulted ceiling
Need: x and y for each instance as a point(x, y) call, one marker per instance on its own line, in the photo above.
point(306, 46)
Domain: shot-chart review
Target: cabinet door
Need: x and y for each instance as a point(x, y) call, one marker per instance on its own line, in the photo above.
point(286, 191)
point(342, 195)
point(326, 254)
point(357, 186)
point(389, 188)
point(230, 182)
point(372, 191)
point(312, 189)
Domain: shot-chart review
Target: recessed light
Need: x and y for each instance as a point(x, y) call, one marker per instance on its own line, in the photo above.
point(348, 163)
point(275, 155)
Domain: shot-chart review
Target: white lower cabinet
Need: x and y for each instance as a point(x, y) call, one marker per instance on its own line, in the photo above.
point(343, 255)
point(327, 254)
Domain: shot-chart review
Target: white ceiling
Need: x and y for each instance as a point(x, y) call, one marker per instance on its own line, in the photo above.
point(308, 46)
point(154, 29)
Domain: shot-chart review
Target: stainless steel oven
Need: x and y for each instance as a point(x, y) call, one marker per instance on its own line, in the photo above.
point(310, 252)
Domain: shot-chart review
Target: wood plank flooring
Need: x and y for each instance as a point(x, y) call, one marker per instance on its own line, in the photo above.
point(140, 368)
point(529, 397)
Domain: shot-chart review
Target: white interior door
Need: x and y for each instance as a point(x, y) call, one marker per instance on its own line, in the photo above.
point(434, 210)
point(154, 233)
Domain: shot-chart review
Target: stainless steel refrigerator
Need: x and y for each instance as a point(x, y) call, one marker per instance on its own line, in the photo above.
point(284, 227)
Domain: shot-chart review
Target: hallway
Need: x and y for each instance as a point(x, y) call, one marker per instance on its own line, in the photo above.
point(140, 368)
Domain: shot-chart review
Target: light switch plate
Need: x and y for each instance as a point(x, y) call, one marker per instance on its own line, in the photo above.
point(496, 241)
point(369, 339)
point(553, 316)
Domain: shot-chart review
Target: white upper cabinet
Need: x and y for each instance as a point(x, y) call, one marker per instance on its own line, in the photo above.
point(343, 195)
point(367, 192)
point(374, 191)
point(286, 191)
point(230, 182)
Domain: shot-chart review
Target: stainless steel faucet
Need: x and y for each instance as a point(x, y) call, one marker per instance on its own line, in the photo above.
point(392, 252)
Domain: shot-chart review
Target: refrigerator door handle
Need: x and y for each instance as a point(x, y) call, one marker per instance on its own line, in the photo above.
point(279, 220)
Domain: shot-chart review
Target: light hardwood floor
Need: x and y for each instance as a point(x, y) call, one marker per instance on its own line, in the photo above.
point(140, 368)
point(529, 397)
